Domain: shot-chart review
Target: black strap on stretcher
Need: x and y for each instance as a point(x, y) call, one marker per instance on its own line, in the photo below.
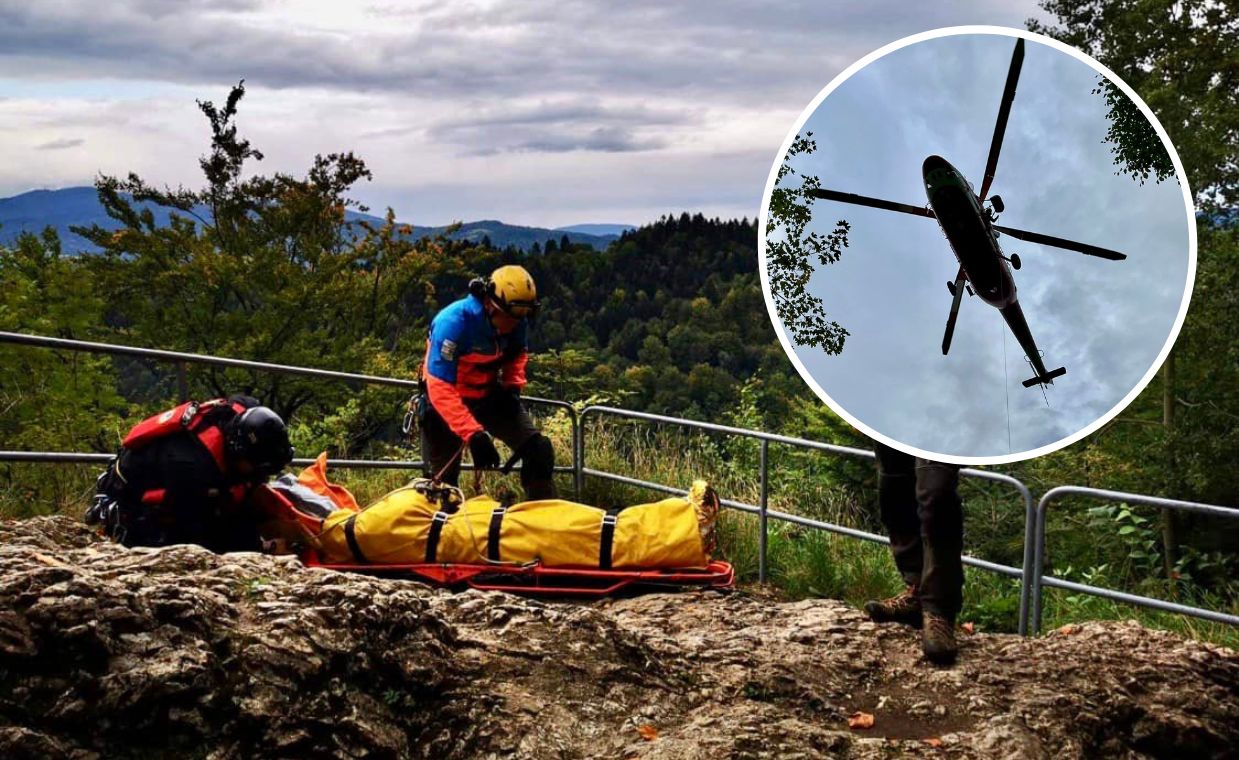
point(351, 538)
point(436, 530)
point(492, 537)
point(607, 539)
point(606, 542)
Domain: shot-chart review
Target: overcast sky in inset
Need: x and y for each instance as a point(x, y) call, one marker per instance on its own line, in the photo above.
point(538, 113)
point(1105, 321)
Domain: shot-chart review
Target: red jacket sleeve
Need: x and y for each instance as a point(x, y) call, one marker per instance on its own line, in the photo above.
point(512, 372)
point(447, 402)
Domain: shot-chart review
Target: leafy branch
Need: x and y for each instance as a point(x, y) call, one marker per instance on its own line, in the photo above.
point(790, 251)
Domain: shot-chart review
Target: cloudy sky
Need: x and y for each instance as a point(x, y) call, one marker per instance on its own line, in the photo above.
point(1105, 321)
point(535, 113)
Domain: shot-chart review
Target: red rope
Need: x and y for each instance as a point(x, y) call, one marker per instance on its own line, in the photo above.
point(438, 477)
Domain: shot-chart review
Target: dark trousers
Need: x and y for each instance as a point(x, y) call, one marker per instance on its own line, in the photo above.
point(920, 506)
point(503, 416)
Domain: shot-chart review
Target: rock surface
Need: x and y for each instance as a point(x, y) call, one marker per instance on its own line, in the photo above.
point(176, 652)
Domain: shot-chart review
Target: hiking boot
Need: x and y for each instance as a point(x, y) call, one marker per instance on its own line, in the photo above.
point(938, 639)
point(904, 608)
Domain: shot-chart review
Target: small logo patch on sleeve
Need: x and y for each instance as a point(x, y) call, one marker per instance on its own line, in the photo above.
point(448, 350)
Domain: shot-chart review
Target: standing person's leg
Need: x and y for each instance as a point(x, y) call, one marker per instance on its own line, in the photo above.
point(440, 448)
point(505, 417)
point(898, 506)
point(942, 532)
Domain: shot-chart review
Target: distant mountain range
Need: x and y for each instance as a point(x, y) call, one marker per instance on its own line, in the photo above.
point(598, 229)
point(79, 206)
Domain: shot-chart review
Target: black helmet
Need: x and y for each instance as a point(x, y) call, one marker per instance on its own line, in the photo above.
point(259, 437)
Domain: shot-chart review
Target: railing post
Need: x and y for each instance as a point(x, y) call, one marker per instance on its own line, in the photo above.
point(1026, 580)
point(762, 518)
point(578, 454)
point(1038, 563)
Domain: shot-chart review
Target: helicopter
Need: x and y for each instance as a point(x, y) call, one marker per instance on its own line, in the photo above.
point(971, 229)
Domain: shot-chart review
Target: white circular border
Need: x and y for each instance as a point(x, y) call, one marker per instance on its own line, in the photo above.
point(952, 31)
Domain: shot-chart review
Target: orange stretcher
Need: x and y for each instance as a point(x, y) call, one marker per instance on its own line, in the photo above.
point(548, 581)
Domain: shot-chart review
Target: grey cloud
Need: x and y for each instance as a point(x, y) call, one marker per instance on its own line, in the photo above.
point(413, 74)
point(715, 63)
point(574, 111)
point(484, 141)
point(559, 127)
point(604, 139)
point(727, 49)
point(401, 131)
point(60, 144)
point(159, 9)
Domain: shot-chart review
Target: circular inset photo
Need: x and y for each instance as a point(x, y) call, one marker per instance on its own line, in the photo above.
point(977, 245)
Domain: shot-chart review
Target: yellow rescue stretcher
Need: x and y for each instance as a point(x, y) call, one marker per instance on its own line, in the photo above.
point(551, 546)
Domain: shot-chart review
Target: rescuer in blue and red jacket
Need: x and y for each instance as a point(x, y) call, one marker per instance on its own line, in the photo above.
point(473, 372)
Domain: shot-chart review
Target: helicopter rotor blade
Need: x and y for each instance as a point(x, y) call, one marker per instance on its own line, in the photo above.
point(1004, 111)
point(950, 320)
point(864, 200)
point(1057, 242)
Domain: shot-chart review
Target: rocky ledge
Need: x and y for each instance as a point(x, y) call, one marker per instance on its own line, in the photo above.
point(176, 652)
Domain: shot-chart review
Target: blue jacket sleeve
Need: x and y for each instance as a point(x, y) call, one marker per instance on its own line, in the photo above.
point(448, 336)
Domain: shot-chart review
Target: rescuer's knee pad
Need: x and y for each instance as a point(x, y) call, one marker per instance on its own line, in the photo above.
point(537, 459)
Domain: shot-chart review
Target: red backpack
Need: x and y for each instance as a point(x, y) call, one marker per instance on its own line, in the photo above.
point(200, 418)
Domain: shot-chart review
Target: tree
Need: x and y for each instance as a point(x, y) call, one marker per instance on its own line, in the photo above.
point(1206, 393)
point(51, 401)
point(563, 374)
point(1182, 57)
point(265, 267)
point(789, 253)
point(1138, 149)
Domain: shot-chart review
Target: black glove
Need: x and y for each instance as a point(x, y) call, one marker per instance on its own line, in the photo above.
point(485, 456)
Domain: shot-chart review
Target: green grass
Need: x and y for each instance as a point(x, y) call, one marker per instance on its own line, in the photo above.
point(28, 489)
point(1061, 607)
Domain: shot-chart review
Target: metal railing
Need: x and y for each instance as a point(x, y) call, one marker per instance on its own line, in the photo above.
point(1032, 579)
point(1039, 580)
point(180, 357)
point(77, 457)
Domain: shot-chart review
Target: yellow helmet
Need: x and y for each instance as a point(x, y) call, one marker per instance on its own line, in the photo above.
point(513, 291)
